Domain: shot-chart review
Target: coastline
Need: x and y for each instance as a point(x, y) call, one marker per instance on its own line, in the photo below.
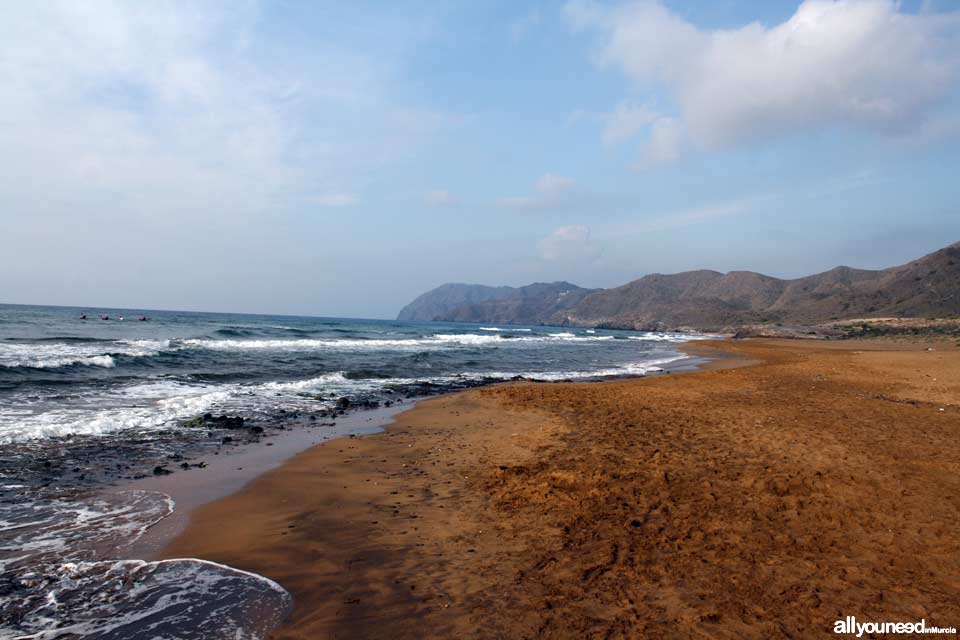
point(232, 469)
point(497, 508)
point(174, 424)
point(229, 471)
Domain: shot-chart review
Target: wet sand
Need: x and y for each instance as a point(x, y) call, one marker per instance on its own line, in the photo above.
point(761, 501)
point(229, 470)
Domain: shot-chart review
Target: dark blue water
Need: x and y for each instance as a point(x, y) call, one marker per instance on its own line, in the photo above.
point(61, 375)
point(86, 404)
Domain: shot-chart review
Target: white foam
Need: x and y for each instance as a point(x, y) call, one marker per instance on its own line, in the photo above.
point(139, 600)
point(147, 406)
point(640, 368)
point(59, 528)
point(53, 550)
point(665, 337)
point(630, 369)
point(337, 377)
point(162, 403)
point(99, 354)
point(470, 339)
point(436, 341)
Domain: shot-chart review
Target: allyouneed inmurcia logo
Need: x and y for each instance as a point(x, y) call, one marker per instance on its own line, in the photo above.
point(851, 626)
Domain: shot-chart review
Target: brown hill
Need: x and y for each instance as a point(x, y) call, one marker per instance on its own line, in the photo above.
point(929, 286)
point(710, 300)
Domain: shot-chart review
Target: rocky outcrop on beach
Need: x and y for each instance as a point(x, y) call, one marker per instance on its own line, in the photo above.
point(714, 301)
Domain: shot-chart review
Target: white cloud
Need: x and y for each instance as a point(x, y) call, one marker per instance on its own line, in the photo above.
point(666, 136)
point(856, 63)
point(550, 184)
point(626, 121)
point(162, 112)
point(440, 198)
point(568, 244)
point(551, 190)
point(126, 100)
point(135, 132)
point(337, 200)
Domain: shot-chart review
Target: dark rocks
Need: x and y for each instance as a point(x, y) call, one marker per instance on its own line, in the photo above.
point(228, 422)
point(210, 421)
point(161, 470)
point(343, 403)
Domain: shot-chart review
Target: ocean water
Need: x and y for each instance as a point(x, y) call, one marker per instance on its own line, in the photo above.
point(80, 394)
point(60, 375)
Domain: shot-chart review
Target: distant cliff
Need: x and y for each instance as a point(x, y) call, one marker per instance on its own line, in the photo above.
point(480, 303)
point(709, 300)
point(438, 303)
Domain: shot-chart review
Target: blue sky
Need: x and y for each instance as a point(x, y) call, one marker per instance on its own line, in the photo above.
point(341, 158)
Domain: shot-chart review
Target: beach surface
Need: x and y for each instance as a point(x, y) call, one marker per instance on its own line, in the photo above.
point(770, 500)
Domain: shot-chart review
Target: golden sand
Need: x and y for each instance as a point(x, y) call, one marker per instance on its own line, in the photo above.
point(754, 502)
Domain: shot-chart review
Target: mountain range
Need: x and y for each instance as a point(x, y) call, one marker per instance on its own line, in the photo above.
point(709, 300)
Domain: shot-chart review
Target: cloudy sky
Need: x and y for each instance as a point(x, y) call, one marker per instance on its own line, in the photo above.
point(341, 158)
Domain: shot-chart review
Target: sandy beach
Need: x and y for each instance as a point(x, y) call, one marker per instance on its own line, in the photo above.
point(820, 480)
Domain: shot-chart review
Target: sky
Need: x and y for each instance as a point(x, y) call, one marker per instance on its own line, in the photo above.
point(340, 158)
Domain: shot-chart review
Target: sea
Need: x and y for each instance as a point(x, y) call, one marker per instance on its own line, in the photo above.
point(93, 399)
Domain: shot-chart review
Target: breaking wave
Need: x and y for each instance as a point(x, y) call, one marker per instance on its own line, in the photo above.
point(55, 554)
point(98, 353)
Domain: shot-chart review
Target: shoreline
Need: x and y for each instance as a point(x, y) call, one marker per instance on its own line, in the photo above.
point(160, 541)
point(465, 510)
point(231, 470)
point(139, 491)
